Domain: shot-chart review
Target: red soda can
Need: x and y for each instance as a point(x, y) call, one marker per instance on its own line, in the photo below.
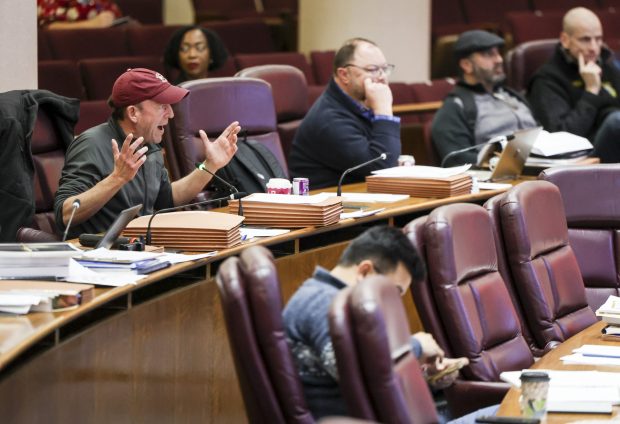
point(301, 186)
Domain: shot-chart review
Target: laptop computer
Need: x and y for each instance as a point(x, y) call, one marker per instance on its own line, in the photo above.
point(512, 159)
point(118, 226)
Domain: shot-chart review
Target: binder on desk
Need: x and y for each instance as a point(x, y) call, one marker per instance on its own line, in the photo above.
point(59, 295)
point(200, 231)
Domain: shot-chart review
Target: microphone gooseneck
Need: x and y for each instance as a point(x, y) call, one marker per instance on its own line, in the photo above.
point(202, 167)
point(148, 235)
point(382, 156)
point(75, 206)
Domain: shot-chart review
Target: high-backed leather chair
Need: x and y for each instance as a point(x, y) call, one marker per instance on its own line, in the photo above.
point(591, 198)
point(290, 95)
point(542, 262)
point(525, 59)
point(252, 303)
point(88, 43)
point(214, 103)
point(380, 377)
point(472, 311)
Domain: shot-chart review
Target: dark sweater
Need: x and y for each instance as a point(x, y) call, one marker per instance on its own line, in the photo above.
point(560, 102)
point(335, 135)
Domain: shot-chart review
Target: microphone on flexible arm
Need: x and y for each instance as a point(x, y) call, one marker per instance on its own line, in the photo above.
point(499, 139)
point(202, 167)
point(74, 207)
point(148, 237)
point(382, 156)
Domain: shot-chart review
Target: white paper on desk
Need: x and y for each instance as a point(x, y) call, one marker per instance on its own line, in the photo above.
point(557, 143)
point(419, 171)
point(599, 350)
point(568, 378)
point(177, 258)
point(251, 232)
point(493, 186)
point(20, 299)
point(103, 254)
point(370, 197)
point(81, 274)
point(360, 214)
point(289, 199)
point(18, 310)
point(579, 359)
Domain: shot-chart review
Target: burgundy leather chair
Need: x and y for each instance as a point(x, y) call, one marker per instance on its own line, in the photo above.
point(213, 103)
point(525, 59)
point(542, 262)
point(80, 44)
point(380, 378)
point(471, 311)
point(92, 113)
point(236, 33)
point(591, 198)
point(323, 65)
point(61, 77)
point(290, 95)
point(531, 26)
point(252, 304)
point(149, 40)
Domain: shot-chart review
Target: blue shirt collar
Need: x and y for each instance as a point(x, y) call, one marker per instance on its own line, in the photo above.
point(363, 110)
point(324, 276)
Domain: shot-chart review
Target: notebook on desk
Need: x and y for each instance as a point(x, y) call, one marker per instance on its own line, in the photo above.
point(512, 159)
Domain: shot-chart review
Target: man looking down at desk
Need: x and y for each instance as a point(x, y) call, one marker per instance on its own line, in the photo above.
point(120, 164)
point(480, 107)
point(379, 250)
point(351, 122)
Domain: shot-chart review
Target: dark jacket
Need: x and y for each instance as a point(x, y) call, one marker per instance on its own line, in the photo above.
point(559, 101)
point(18, 114)
point(335, 136)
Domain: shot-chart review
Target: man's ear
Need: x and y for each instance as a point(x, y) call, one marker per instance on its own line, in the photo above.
point(343, 75)
point(466, 65)
point(564, 39)
point(365, 268)
point(132, 113)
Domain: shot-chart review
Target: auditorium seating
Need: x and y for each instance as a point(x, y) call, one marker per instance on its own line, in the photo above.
point(323, 65)
point(212, 105)
point(297, 60)
point(491, 11)
point(92, 113)
point(236, 33)
point(149, 40)
point(252, 304)
point(466, 302)
point(61, 77)
point(542, 262)
point(144, 11)
point(529, 26)
point(563, 4)
point(290, 95)
point(80, 44)
point(591, 199)
point(381, 379)
point(525, 59)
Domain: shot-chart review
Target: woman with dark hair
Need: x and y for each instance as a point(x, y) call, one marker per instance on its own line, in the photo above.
point(194, 51)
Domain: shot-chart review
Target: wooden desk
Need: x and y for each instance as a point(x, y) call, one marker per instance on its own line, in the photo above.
point(591, 335)
point(158, 351)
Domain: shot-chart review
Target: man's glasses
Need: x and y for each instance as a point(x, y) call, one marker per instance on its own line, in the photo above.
point(374, 70)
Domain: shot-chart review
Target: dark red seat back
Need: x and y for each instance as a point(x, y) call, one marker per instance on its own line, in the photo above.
point(525, 59)
point(295, 59)
point(61, 77)
point(80, 44)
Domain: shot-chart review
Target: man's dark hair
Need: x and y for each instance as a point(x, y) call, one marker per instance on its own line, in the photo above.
point(345, 53)
point(118, 113)
point(385, 247)
point(217, 51)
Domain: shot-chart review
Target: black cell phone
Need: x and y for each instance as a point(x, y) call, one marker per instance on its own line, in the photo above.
point(492, 419)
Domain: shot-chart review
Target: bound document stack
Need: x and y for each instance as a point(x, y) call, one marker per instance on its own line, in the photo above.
point(200, 231)
point(421, 181)
point(610, 313)
point(21, 297)
point(36, 260)
point(288, 210)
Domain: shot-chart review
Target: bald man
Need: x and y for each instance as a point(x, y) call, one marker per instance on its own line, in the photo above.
point(577, 90)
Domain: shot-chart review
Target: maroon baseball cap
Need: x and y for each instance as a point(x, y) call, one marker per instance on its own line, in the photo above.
point(139, 84)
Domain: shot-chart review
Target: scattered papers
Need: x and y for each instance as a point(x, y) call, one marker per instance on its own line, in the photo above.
point(594, 355)
point(81, 274)
point(21, 297)
point(558, 143)
point(249, 232)
point(494, 186)
point(360, 213)
point(610, 310)
point(370, 197)
point(288, 199)
point(419, 171)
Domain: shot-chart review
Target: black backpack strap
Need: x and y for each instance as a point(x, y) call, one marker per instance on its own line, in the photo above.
point(268, 159)
point(468, 103)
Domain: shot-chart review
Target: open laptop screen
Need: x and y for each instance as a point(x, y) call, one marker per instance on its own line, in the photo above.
point(118, 225)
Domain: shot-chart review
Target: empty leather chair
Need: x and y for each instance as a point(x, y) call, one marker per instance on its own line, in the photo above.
point(530, 26)
point(290, 95)
point(323, 65)
point(252, 304)
point(295, 59)
point(98, 75)
point(149, 40)
point(525, 59)
point(591, 198)
point(214, 103)
point(473, 310)
point(61, 77)
point(380, 378)
point(80, 44)
point(542, 262)
point(236, 33)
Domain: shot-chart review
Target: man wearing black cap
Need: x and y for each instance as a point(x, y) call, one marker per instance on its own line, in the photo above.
point(578, 89)
point(119, 164)
point(480, 107)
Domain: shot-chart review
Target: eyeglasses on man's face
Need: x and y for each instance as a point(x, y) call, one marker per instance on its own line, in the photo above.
point(374, 70)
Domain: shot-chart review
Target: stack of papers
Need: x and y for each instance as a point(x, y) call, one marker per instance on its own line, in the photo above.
point(594, 355)
point(577, 391)
point(21, 297)
point(36, 260)
point(104, 260)
point(421, 181)
point(288, 210)
point(560, 143)
point(610, 310)
point(199, 231)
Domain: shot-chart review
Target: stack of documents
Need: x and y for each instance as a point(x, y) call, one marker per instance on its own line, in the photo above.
point(36, 260)
point(594, 355)
point(610, 310)
point(577, 391)
point(421, 181)
point(104, 260)
point(199, 231)
point(288, 210)
point(21, 297)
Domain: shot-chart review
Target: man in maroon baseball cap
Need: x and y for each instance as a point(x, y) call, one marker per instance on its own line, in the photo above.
point(119, 164)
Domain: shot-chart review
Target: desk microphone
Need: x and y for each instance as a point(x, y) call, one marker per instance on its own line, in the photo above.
point(234, 196)
point(382, 156)
point(74, 207)
point(202, 167)
point(498, 139)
